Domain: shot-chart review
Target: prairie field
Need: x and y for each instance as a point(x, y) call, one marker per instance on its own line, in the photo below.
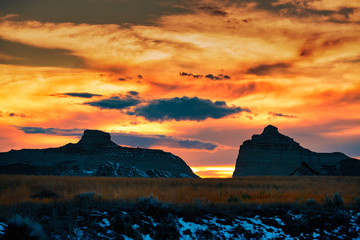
point(16, 189)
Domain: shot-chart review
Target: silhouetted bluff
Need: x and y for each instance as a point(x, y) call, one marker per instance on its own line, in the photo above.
point(272, 153)
point(94, 155)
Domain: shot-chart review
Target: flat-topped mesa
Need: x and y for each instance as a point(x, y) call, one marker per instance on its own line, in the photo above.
point(272, 153)
point(95, 155)
point(95, 139)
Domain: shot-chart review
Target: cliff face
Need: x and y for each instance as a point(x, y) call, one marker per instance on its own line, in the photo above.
point(272, 153)
point(94, 155)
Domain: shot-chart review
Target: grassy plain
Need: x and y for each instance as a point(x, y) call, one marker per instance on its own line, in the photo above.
point(16, 189)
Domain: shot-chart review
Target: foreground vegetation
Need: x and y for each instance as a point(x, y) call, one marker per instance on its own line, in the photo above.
point(16, 189)
point(50, 207)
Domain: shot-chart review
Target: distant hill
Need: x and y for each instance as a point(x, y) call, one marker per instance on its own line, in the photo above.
point(272, 153)
point(94, 155)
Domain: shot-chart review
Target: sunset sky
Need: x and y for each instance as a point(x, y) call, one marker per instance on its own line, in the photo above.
point(195, 78)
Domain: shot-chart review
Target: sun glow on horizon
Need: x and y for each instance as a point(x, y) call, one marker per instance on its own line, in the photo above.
point(214, 171)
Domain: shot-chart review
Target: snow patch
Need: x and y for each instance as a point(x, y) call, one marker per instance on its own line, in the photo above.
point(146, 237)
point(2, 228)
point(104, 223)
point(126, 237)
point(192, 227)
point(88, 172)
point(135, 226)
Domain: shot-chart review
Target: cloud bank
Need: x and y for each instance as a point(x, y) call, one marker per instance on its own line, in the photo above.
point(209, 76)
point(51, 131)
point(274, 114)
point(77, 94)
point(148, 141)
point(130, 139)
point(185, 108)
point(117, 102)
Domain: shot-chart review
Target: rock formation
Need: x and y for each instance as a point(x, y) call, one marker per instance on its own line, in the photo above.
point(94, 155)
point(272, 153)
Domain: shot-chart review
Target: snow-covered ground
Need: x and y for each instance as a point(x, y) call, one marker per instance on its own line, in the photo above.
point(206, 227)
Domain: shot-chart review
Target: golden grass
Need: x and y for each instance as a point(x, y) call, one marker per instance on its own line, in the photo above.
point(17, 188)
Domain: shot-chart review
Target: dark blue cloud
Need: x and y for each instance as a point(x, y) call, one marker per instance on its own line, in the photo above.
point(51, 131)
point(185, 108)
point(12, 114)
point(78, 94)
point(217, 77)
point(130, 139)
point(209, 76)
point(16, 115)
point(148, 141)
point(134, 93)
point(117, 102)
point(274, 114)
point(190, 75)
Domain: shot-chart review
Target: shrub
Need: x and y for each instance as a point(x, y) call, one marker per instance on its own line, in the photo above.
point(233, 199)
point(311, 203)
point(204, 234)
point(337, 200)
point(24, 229)
point(245, 196)
point(153, 207)
point(357, 203)
point(327, 202)
point(149, 203)
point(341, 217)
point(123, 224)
point(84, 199)
point(167, 229)
point(44, 194)
point(85, 196)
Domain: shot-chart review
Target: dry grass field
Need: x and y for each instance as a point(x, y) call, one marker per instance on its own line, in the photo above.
point(260, 190)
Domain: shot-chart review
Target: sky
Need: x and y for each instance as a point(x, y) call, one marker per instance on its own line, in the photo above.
point(195, 78)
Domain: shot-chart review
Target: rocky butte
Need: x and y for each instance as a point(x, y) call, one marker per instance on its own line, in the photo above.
point(94, 155)
point(272, 153)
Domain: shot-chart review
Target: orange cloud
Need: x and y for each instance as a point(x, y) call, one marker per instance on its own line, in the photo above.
point(280, 64)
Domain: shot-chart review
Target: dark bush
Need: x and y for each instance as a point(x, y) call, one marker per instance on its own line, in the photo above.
point(204, 234)
point(45, 194)
point(240, 231)
point(341, 218)
point(149, 203)
point(357, 203)
point(24, 229)
point(337, 200)
point(85, 199)
point(153, 207)
point(123, 224)
point(311, 203)
point(295, 227)
point(85, 196)
point(245, 196)
point(233, 199)
point(167, 229)
point(327, 202)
